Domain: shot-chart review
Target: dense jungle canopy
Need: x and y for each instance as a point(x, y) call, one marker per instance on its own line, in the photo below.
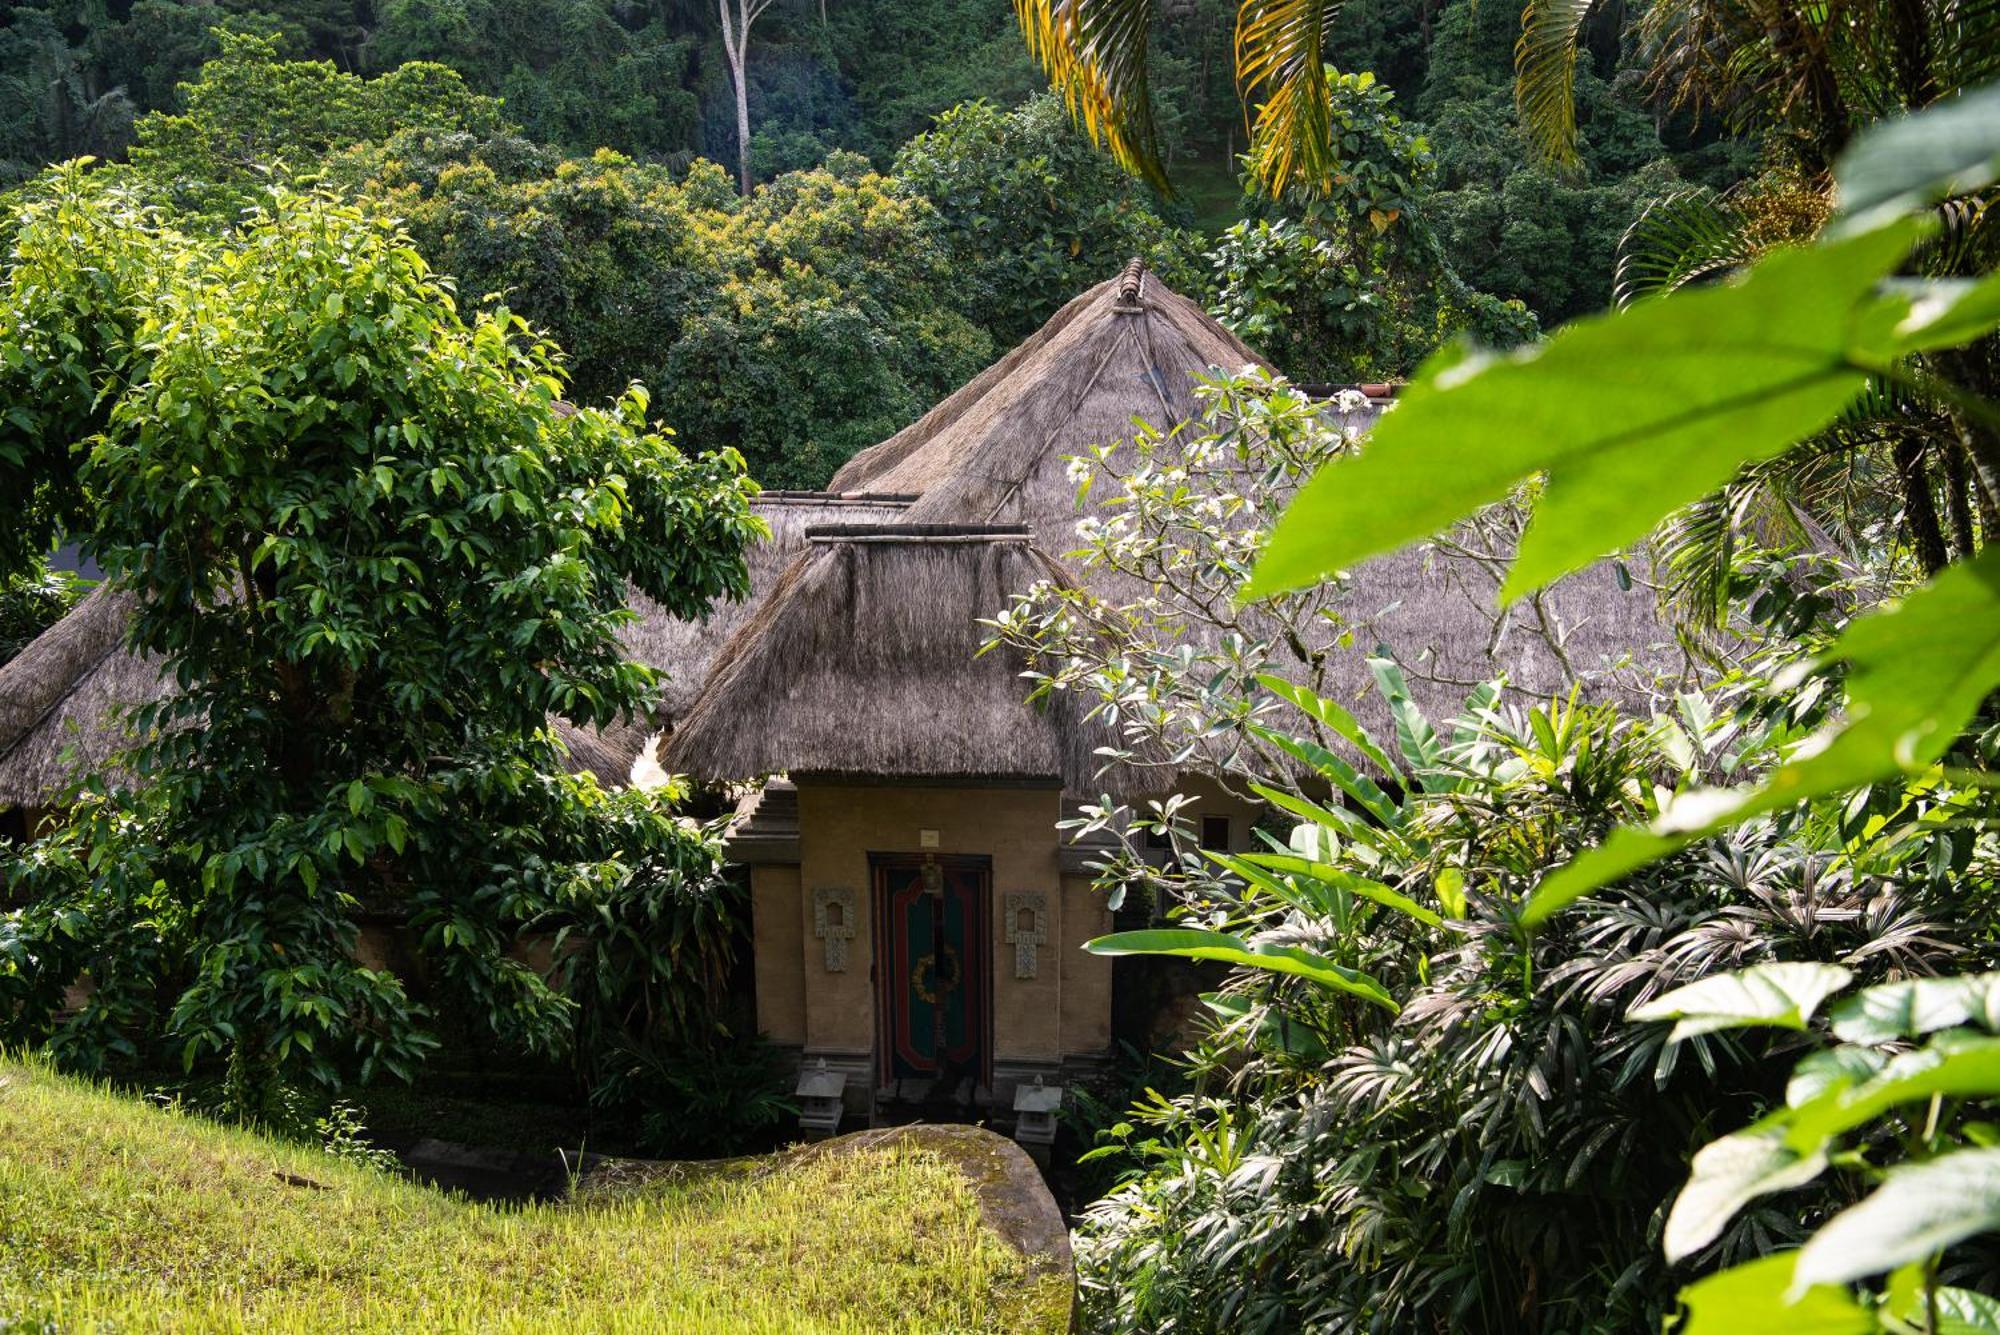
point(510, 105)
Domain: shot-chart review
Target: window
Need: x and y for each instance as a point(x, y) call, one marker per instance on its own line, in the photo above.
point(1215, 833)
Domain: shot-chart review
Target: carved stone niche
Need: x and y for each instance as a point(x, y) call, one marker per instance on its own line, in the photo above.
point(1027, 927)
point(834, 924)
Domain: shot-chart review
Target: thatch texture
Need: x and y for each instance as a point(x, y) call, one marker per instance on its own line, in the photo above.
point(994, 452)
point(998, 451)
point(1436, 613)
point(61, 697)
point(64, 698)
point(864, 661)
point(681, 650)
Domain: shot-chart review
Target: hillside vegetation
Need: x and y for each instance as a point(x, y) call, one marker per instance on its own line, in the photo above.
point(118, 1214)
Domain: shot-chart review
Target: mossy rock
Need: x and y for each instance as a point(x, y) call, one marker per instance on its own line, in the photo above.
point(1014, 1202)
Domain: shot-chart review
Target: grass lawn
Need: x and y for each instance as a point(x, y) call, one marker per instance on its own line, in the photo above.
point(116, 1215)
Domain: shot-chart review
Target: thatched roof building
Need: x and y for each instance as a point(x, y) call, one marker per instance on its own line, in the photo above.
point(64, 700)
point(998, 451)
point(1126, 348)
point(864, 661)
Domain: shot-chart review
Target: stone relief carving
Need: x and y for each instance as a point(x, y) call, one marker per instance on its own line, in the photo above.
point(1027, 928)
point(833, 923)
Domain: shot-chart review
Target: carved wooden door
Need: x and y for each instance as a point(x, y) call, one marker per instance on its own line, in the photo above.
point(933, 970)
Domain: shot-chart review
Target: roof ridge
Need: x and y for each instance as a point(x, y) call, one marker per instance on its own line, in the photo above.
point(76, 682)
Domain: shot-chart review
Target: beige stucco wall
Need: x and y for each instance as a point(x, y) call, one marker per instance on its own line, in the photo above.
point(778, 922)
point(1086, 980)
point(1065, 1010)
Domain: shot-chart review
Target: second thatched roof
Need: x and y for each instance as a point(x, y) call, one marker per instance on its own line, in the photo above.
point(64, 701)
point(865, 661)
point(61, 696)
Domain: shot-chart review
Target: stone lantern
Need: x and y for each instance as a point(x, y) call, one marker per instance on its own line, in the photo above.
point(821, 1102)
point(1035, 1118)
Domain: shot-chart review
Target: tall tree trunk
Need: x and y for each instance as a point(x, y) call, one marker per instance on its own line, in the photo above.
point(737, 16)
point(1919, 506)
point(1958, 499)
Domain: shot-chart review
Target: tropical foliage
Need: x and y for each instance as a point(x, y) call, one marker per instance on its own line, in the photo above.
point(374, 590)
point(1413, 1109)
point(1485, 1144)
point(1031, 215)
point(32, 601)
point(1355, 284)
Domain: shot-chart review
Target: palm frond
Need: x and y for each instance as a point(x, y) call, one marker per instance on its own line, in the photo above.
point(1096, 55)
point(1281, 69)
point(1545, 76)
point(1697, 548)
point(1686, 237)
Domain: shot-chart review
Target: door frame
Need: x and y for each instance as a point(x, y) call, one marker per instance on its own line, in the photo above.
point(981, 968)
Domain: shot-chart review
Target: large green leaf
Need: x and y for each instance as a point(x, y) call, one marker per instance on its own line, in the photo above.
point(1819, 1072)
point(1918, 672)
point(1947, 149)
point(1919, 1209)
point(1728, 1174)
point(1190, 943)
point(1631, 415)
point(1327, 874)
point(1272, 1028)
point(1783, 996)
point(1309, 897)
point(1954, 1064)
point(1918, 1006)
point(1753, 1299)
point(1335, 716)
point(1963, 1312)
point(1415, 737)
point(1946, 312)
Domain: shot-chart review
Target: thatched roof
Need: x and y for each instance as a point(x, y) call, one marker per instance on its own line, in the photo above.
point(60, 695)
point(864, 661)
point(681, 650)
point(62, 700)
point(994, 452)
point(998, 451)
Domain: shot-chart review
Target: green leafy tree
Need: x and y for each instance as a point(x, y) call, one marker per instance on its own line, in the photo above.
point(253, 113)
point(377, 553)
point(54, 103)
point(1356, 284)
point(1031, 214)
point(33, 600)
point(1709, 381)
point(570, 74)
point(798, 326)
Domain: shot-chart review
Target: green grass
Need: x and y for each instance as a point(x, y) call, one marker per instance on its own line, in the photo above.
point(117, 1215)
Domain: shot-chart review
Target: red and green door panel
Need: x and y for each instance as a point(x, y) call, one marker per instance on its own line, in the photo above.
point(933, 969)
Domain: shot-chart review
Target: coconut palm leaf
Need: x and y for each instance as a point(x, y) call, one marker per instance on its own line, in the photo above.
point(1095, 53)
point(1545, 76)
point(1686, 237)
point(1281, 70)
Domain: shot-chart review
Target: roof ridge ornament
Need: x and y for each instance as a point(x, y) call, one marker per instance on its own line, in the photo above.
point(1130, 281)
